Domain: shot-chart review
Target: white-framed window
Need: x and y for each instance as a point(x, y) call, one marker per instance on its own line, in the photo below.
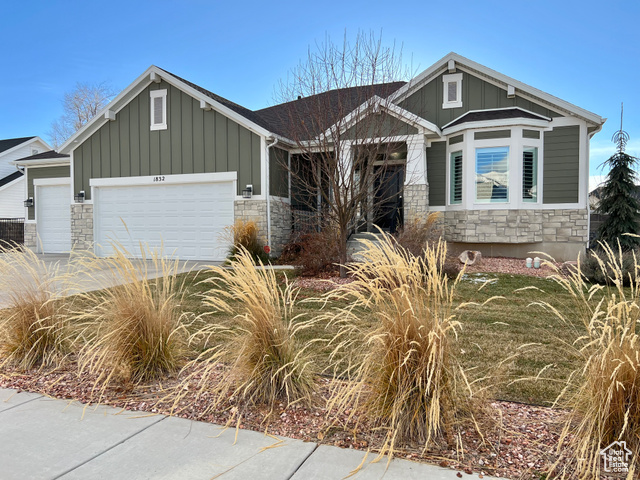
point(158, 101)
point(530, 174)
point(452, 90)
point(492, 175)
point(455, 178)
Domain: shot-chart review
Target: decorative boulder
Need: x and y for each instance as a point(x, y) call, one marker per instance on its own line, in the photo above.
point(469, 257)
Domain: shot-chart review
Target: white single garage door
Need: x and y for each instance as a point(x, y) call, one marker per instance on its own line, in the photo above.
point(187, 220)
point(53, 217)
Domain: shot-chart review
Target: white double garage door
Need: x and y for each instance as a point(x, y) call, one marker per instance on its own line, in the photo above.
point(183, 216)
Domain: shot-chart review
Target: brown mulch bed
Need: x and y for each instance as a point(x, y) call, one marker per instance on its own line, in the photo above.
point(520, 440)
point(515, 266)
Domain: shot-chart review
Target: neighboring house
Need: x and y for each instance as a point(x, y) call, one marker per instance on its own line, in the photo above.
point(170, 163)
point(12, 184)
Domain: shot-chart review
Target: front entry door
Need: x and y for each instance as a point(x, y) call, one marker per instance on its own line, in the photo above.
point(388, 197)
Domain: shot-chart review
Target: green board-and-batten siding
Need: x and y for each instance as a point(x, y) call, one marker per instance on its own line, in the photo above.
point(477, 94)
point(379, 126)
point(36, 173)
point(437, 173)
point(195, 141)
point(278, 172)
point(561, 165)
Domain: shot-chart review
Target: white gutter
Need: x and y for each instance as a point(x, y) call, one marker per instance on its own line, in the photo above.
point(268, 188)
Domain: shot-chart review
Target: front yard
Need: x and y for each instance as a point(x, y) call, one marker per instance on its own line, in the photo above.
point(513, 330)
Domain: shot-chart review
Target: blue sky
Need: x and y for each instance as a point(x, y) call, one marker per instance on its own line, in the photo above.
point(586, 52)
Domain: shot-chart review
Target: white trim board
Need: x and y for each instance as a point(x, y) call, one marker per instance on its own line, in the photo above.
point(39, 182)
point(164, 179)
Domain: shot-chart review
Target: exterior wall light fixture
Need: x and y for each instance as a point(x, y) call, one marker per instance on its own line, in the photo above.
point(79, 197)
point(28, 202)
point(247, 192)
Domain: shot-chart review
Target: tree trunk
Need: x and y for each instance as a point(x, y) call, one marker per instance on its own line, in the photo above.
point(343, 252)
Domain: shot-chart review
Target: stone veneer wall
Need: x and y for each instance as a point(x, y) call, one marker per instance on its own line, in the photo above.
point(30, 236)
point(81, 226)
point(280, 225)
point(516, 226)
point(256, 210)
point(415, 201)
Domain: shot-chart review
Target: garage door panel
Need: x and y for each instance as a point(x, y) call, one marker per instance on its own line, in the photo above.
point(189, 220)
point(53, 204)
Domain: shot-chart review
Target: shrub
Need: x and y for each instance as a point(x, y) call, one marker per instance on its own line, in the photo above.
point(406, 378)
point(34, 325)
point(244, 235)
point(597, 271)
point(268, 364)
point(418, 232)
point(315, 253)
point(134, 328)
point(603, 396)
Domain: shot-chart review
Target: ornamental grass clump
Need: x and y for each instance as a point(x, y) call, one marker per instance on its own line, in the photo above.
point(266, 361)
point(603, 395)
point(134, 329)
point(405, 377)
point(243, 234)
point(34, 326)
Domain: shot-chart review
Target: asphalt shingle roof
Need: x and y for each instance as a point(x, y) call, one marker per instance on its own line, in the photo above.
point(51, 154)
point(10, 178)
point(9, 143)
point(281, 119)
point(495, 115)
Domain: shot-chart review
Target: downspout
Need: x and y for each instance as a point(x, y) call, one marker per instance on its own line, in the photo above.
point(267, 190)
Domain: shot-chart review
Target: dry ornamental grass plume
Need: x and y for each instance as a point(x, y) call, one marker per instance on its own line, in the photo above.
point(134, 329)
point(268, 364)
point(34, 325)
point(243, 234)
point(603, 396)
point(406, 378)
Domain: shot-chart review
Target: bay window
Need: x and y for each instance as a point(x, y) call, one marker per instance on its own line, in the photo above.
point(530, 175)
point(455, 187)
point(492, 174)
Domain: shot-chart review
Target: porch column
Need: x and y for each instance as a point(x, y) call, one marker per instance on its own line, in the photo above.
point(416, 187)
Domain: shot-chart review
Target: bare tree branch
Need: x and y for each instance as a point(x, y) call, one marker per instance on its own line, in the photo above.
point(337, 112)
point(79, 106)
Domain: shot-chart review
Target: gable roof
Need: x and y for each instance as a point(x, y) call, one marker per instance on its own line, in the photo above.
point(10, 143)
point(521, 89)
point(51, 154)
point(10, 178)
point(282, 118)
point(494, 114)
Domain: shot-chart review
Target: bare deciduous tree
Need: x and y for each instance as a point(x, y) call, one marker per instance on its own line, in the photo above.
point(79, 106)
point(349, 165)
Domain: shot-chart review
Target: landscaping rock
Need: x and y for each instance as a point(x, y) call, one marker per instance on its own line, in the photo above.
point(470, 257)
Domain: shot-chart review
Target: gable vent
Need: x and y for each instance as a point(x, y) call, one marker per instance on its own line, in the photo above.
point(452, 92)
point(157, 110)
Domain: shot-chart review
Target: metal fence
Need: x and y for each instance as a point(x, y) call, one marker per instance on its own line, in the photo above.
point(11, 232)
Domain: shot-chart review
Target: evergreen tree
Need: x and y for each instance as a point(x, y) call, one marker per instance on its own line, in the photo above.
point(618, 200)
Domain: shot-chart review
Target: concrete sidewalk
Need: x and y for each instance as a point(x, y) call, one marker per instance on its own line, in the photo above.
point(43, 438)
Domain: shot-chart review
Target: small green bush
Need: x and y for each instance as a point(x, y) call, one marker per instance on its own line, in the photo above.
point(597, 271)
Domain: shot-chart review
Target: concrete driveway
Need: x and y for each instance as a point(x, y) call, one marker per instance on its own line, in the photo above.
point(101, 275)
